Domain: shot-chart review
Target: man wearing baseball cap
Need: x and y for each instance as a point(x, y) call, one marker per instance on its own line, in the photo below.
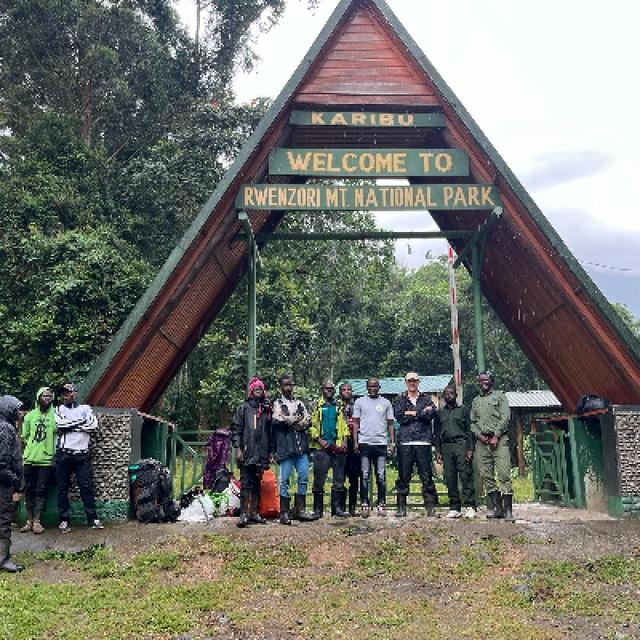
point(415, 412)
point(74, 423)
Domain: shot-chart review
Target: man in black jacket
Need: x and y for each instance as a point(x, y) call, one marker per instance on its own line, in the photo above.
point(250, 435)
point(415, 412)
point(290, 445)
point(10, 476)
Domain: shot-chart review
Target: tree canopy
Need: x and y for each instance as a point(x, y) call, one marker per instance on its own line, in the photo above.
point(115, 126)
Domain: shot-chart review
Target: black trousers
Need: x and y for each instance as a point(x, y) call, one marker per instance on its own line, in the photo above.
point(6, 513)
point(420, 456)
point(322, 460)
point(79, 465)
point(250, 479)
point(455, 465)
point(36, 486)
point(352, 474)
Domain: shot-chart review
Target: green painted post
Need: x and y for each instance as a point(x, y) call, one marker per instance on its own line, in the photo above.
point(252, 260)
point(251, 277)
point(477, 306)
point(580, 501)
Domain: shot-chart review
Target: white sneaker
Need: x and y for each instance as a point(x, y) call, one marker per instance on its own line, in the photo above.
point(64, 527)
point(453, 514)
point(96, 524)
point(470, 513)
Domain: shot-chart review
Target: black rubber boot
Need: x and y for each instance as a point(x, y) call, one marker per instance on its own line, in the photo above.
point(402, 506)
point(284, 510)
point(6, 563)
point(507, 507)
point(429, 506)
point(318, 504)
point(254, 515)
point(353, 500)
point(299, 509)
point(494, 505)
point(243, 520)
point(337, 500)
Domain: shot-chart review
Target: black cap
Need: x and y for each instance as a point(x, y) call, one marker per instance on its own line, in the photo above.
point(69, 387)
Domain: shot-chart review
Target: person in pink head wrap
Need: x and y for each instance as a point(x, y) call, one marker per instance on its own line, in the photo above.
point(250, 435)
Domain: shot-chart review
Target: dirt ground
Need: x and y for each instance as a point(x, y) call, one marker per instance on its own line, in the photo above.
point(573, 532)
point(337, 549)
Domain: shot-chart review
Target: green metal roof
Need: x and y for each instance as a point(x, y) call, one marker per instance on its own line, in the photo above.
point(394, 386)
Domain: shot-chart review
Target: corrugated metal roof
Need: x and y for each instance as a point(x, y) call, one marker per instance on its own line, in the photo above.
point(394, 386)
point(542, 399)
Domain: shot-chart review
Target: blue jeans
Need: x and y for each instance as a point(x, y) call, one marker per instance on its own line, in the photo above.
point(301, 464)
point(376, 455)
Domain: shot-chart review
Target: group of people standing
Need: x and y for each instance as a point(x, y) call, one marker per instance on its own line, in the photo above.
point(56, 442)
point(353, 437)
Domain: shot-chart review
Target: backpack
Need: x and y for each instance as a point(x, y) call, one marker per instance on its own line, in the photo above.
point(269, 498)
point(151, 492)
point(591, 402)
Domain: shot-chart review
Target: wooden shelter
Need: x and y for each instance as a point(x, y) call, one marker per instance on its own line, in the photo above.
point(367, 73)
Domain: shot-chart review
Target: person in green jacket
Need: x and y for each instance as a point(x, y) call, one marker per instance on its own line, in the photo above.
point(39, 435)
point(454, 450)
point(490, 415)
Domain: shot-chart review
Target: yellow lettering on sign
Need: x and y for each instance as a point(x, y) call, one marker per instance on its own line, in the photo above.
point(426, 161)
point(358, 119)
point(358, 197)
point(343, 196)
point(339, 118)
point(474, 200)
point(298, 161)
point(367, 162)
point(372, 199)
point(459, 197)
point(317, 117)
point(384, 162)
point(273, 196)
point(420, 200)
point(430, 202)
point(261, 197)
point(331, 197)
point(447, 193)
point(405, 119)
point(350, 162)
point(486, 196)
point(386, 119)
point(248, 196)
point(444, 162)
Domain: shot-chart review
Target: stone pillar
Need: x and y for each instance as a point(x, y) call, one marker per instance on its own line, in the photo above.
point(113, 448)
point(622, 455)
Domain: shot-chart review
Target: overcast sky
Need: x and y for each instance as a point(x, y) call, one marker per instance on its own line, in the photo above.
point(554, 87)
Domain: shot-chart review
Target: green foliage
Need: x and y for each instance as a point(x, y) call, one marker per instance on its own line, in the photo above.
point(123, 71)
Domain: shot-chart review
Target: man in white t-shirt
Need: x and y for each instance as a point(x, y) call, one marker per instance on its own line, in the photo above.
point(373, 438)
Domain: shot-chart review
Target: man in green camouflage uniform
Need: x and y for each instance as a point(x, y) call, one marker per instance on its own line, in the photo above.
point(490, 416)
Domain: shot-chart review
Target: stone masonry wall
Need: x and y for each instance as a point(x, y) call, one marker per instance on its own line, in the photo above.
point(627, 426)
point(110, 456)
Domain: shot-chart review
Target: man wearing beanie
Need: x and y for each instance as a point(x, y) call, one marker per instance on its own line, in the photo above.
point(38, 434)
point(250, 435)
